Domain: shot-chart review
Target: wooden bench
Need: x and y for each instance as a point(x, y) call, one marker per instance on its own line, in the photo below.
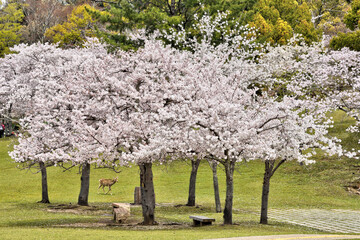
point(201, 220)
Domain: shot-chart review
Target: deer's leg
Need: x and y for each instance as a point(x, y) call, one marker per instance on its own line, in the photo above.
point(99, 186)
point(109, 190)
point(103, 188)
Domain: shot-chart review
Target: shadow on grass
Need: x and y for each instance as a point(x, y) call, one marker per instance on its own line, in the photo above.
point(106, 194)
point(47, 222)
point(96, 206)
point(45, 215)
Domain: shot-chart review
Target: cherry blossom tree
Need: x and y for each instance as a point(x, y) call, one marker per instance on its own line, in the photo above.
point(294, 134)
point(224, 109)
point(236, 111)
point(35, 78)
point(20, 85)
point(154, 79)
point(310, 73)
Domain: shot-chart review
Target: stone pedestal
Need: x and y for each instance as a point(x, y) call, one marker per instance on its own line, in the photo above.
point(121, 211)
point(137, 196)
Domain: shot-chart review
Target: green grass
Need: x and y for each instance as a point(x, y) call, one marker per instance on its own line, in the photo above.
point(293, 186)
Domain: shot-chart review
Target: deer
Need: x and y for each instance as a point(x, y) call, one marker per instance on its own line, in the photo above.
point(107, 182)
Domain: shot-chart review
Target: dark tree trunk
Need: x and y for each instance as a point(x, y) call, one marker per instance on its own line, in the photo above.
point(8, 123)
point(265, 194)
point(44, 185)
point(270, 169)
point(85, 184)
point(213, 166)
point(229, 171)
point(8, 128)
point(192, 184)
point(318, 20)
point(147, 193)
point(172, 8)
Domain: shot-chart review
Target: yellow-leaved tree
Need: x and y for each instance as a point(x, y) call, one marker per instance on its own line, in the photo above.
point(79, 25)
point(282, 32)
point(278, 20)
point(263, 27)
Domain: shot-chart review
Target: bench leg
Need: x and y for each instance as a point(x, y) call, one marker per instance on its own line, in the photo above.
point(200, 224)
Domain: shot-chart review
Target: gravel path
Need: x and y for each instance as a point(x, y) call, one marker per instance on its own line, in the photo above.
point(295, 237)
point(335, 220)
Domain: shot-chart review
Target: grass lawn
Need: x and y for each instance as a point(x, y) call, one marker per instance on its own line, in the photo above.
point(316, 186)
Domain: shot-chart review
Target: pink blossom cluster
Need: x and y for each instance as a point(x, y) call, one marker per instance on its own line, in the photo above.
point(329, 78)
point(160, 103)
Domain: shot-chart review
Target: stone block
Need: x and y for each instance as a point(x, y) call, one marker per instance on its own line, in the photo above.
point(137, 196)
point(121, 211)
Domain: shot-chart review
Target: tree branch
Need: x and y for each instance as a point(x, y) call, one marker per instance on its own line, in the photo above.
point(277, 166)
point(210, 129)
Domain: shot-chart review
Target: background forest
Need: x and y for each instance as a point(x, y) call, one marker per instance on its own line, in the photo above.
point(68, 23)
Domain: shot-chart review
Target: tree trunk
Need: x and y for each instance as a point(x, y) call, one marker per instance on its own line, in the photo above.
point(85, 184)
point(147, 193)
point(229, 171)
point(265, 194)
point(44, 185)
point(270, 169)
point(213, 166)
point(319, 17)
point(8, 123)
point(172, 8)
point(192, 184)
point(8, 128)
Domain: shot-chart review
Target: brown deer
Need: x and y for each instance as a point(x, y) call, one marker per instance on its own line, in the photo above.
point(107, 182)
